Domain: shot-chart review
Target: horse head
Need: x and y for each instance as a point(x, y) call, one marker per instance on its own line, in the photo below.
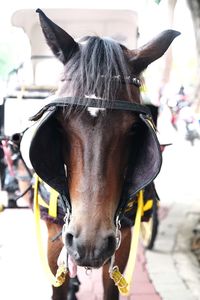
point(96, 145)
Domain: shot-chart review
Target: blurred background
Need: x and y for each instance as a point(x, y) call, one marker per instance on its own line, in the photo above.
point(178, 68)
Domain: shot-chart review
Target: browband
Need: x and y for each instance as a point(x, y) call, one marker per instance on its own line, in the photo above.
point(92, 102)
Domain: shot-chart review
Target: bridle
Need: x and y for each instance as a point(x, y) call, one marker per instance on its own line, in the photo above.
point(58, 181)
point(64, 102)
point(54, 104)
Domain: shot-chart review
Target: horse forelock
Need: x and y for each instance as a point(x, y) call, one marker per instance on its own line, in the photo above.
point(94, 70)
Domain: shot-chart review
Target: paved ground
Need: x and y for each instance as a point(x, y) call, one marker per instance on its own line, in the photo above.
point(170, 272)
point(173, 269)
point(21, 272)
point(142, 287)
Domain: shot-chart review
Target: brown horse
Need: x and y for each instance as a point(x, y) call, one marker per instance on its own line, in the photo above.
point(95, 144)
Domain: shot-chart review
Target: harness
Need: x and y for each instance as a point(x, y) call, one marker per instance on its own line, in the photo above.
point(143, 168)
point(140, 209)
point(147, 161)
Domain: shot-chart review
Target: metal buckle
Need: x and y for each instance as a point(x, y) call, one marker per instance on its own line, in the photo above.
point(118, 233)
point(64, 228)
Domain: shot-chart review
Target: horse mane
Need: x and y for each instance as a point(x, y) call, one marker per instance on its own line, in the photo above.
point(94, 70)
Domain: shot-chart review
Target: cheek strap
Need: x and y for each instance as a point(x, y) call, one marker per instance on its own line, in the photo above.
point(124, 282)
point(62, 271)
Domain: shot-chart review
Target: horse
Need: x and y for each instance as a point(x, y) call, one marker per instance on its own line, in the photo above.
point(95, 144)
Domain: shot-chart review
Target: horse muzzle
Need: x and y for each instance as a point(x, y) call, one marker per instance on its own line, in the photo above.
point(90, 252)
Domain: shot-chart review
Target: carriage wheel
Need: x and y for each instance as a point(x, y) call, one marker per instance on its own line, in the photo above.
point(149, 229)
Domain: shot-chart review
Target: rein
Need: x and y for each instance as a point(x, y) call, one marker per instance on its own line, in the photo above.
point(59, 278)
point(124, 282)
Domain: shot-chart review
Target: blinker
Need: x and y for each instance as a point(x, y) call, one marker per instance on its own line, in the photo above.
point(46, 156)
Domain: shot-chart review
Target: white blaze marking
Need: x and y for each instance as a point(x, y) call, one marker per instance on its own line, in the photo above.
point(94, 110)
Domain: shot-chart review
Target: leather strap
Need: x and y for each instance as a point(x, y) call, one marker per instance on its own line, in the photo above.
point(92, 102)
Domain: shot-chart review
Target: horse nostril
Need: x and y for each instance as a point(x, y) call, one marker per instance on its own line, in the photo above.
point(111, 243)
point(69, 239)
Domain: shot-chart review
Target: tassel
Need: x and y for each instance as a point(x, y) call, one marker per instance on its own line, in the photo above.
point(119, 280)
point(60, 275)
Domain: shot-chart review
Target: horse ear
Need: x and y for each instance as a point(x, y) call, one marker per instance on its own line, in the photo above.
point(60, 42)
point(153, 50)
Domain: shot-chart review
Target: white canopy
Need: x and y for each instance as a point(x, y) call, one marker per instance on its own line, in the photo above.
point(41, 75)
point(118, 24)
